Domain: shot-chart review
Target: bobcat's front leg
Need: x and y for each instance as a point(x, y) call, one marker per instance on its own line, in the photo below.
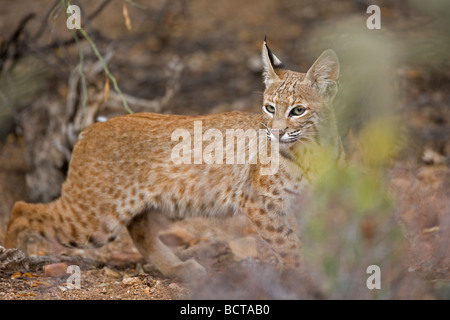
point(273, 226)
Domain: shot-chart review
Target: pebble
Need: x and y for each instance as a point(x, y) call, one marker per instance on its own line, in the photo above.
point(71, 286)
point(56, 270)
point(130, 281)
point(110, 273)
point(63, 289)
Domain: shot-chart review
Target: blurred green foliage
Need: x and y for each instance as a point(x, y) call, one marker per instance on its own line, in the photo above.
point(349, 225)
point(350, 221)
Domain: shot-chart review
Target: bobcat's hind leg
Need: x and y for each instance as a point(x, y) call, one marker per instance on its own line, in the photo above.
point(144, 232)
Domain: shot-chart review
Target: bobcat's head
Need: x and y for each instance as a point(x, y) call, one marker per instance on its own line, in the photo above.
point(297, 106)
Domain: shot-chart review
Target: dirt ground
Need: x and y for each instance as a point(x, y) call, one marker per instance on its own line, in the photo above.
point(218, 44)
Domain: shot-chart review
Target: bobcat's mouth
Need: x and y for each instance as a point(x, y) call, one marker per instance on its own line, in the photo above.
point(287, 140)
point(286, 137)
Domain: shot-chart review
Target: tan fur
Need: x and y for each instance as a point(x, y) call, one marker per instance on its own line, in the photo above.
point(121, 173)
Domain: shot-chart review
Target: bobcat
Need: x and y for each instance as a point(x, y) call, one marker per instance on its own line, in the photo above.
point(122, 173)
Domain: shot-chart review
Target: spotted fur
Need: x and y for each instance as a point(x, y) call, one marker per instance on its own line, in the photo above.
point(121, 174)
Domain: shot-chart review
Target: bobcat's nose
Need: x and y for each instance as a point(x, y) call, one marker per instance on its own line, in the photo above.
point(277, 133)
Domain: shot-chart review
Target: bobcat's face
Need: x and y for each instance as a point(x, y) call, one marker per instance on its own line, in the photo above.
point(290, 113)
point(296, 105)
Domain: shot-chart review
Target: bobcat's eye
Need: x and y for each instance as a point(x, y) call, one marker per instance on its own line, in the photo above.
point(298, 111)
point(269, 108)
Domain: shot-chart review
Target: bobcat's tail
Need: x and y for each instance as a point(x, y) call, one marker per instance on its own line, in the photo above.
point(27, 220)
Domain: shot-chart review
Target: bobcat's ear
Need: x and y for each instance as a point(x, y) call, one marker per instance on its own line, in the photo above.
point(270, 63)
point(324, 73)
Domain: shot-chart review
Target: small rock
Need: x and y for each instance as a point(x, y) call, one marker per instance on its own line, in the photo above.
point(147, 290)
point(110, 273)
point(62, 288)
point(432, 157)
point(71, 286)
point(130, 281)
point(56, 270)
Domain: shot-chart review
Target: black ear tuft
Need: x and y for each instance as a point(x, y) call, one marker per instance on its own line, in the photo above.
point(271, 64)
point(274, 61)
